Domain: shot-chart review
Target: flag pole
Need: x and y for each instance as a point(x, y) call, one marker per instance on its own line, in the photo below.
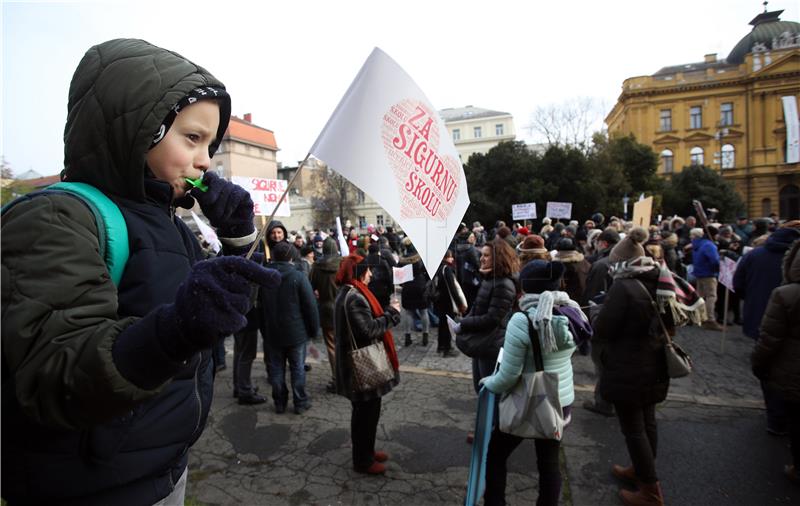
point(724, 321)
point(263, 230)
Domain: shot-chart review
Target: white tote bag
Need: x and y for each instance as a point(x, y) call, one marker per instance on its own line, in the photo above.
point(532, 408)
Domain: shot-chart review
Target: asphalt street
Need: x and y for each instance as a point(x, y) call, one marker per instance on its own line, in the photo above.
point(713, 446)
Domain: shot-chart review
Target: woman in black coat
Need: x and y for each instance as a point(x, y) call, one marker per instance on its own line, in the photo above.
point(486, 320)
point(634, 376)
point(360, 318)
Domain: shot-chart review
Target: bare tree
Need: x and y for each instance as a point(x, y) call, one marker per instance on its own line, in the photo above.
point(333, 196)
point(571, 122)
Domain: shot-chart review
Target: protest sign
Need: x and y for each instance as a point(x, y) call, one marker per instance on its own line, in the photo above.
point(727, 268)
point(524, 211)
point(643, 212)
point(403, 274)
point(386, 138)
point(559, 210)
point(265, 194)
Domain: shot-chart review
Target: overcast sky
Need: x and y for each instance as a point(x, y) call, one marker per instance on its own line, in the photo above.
point(288, 63)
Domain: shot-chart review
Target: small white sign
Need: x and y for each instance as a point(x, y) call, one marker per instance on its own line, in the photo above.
point(559, 210)
point(524, 211)
point(265, 194)
point(403, 274)
point(727, 268)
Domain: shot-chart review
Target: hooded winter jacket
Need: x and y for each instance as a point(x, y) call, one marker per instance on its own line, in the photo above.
point(323, 280)
point(75, 429)
point(758, 273)
point(776, 357)
point(289, 312)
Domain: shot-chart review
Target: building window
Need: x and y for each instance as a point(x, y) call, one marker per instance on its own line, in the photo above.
point(456, 134)
point(766, 207)
point(666, 120)
point(476, 132)
point(696, 117)
point(362, 222)
point(360, 197)
point(728, 156)
point(379, 220)
point(696, 156)
point(667, 161)
point(789, 203)
point(726, 114)
point(498, 130)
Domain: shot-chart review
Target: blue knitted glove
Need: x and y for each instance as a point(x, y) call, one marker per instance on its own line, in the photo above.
point(212, 303)
point(227, 206)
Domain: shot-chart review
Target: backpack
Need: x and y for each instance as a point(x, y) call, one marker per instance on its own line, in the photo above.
point(431, 293)
point(112, 231)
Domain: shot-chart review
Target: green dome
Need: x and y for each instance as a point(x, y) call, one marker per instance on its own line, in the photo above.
point(767, 26)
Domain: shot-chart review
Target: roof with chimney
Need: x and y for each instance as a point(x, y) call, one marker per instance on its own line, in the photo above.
point(242, 129)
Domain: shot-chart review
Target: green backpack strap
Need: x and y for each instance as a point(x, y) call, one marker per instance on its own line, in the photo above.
point(112, 231)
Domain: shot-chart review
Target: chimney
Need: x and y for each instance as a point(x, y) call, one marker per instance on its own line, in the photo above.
point(711, 58)
point(249, 117)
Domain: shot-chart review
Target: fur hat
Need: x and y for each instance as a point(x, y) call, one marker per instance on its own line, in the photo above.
point(630, 247)
point(540, 275)
point(532, 242)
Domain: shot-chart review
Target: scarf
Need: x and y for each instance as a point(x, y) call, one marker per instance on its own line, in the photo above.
point(545, 302)
point(377, 310)
point(673, 293)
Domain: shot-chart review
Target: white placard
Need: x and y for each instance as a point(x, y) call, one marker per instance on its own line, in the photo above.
point(265, 194)
point(727, 268)
point(524, 211)
point(403, 274)
point(559, 210)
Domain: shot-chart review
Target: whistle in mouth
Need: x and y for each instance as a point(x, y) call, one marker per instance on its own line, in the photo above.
point(197, 183)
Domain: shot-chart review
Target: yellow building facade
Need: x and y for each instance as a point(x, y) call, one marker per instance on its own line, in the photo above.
point(728, 114)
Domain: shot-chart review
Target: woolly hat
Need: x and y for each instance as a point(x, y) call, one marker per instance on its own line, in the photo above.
point(540, 275)
point(282, 251)
point(566, 244)
point(532, 242)
point(630, 247)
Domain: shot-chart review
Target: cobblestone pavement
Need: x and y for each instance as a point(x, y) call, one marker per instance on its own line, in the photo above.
point(713, 449)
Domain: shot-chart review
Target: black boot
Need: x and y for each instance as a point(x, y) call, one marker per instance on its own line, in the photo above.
point(408, 340)
point(424, 339)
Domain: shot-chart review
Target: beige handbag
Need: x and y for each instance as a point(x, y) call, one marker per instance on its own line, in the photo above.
point(371, 366)
point(679, 363)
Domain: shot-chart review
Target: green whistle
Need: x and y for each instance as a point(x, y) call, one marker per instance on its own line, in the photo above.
point(197, 183)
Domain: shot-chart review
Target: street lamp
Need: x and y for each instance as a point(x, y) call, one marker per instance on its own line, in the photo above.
point(625, 200)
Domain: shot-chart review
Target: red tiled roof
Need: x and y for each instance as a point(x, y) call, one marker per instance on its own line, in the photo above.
point(39, 182)
point(248, 132)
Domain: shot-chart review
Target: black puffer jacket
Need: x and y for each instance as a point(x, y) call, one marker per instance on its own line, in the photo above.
point(632, 343)
point(491, 311)
point(776, 357)
point(75, 430)
point(413, 295)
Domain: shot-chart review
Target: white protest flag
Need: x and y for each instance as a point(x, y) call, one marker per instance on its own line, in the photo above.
point(208, 233)
point(387, 139)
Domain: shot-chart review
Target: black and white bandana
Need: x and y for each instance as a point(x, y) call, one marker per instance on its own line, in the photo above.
point(202, 93)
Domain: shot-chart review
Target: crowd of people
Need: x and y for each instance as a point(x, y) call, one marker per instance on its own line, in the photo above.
point(107, 382)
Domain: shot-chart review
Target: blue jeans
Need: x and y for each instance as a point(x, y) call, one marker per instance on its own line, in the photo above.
point(276, 366)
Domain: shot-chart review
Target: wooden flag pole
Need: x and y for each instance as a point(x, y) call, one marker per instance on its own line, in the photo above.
point(264, 226)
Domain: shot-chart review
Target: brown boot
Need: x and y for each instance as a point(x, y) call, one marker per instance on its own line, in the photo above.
point(649, 494)
point(625, 474)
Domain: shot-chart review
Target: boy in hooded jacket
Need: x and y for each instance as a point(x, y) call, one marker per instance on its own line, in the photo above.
point(106, 387)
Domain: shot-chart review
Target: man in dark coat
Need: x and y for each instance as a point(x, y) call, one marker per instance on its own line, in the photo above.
point(381, 284)
point(757, 274)
point(323, 281)
point(289, 320)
